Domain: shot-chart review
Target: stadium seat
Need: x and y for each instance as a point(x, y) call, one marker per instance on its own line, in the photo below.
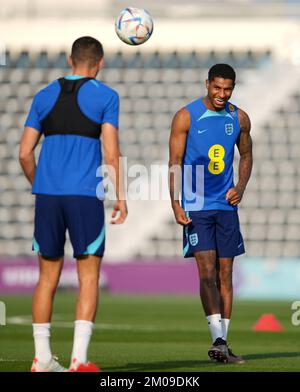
point(23, 61)
point(275, 232)
point(43, 60)
point(292, 232)
point(293, 217)
point(273, 249)
point(257, 232)
point(258, 216)
point(150, 75)
point(277, 216)
point(267, 183)
point(255, 248)
point(291, 249)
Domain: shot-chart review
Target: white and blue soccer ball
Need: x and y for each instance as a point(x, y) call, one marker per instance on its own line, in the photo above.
point(134, 26)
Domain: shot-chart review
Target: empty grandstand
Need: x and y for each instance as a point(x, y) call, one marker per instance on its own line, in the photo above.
point(152, 88)
point(154, 81)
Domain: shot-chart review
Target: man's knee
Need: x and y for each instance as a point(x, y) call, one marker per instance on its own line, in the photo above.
point(88, 271)
point(208, 282)
point(207, 267)
point(89, 281)
point(48, 282)
point(206, 262)
point(225, 277)
point(207, 271)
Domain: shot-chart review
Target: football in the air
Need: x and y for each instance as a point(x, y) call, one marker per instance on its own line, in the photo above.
point(134, 26)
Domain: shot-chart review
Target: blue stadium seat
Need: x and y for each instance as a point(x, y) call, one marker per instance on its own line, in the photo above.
point(23, 61)
point(42, 60)
point(60, 61)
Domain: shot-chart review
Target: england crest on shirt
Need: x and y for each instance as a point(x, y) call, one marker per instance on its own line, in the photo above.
point(193, 239)
point(229, 129)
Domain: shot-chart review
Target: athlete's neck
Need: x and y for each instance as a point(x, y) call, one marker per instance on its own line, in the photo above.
point(207, 103)
point(85, 72)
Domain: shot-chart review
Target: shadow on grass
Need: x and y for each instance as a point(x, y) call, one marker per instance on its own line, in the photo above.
point(271, 355)
point(197, 365)
point(165, 366)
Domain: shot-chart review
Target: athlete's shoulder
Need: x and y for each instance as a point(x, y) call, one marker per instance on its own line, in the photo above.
point(46, 95)
point(51, 88)
point(182, 114)
point(232, 109)
point(196, 109)
point(100, 87)
point(196, 103)
point(181, 120)
point(244, 120)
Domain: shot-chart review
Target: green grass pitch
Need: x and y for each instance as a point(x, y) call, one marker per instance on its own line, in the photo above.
point(153, 333)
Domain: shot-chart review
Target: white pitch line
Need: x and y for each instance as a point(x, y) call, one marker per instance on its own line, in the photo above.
point(14, 360)
point(27, 321)
point(24, 320)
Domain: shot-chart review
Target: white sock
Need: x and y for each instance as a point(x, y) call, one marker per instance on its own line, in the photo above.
point(225, 325)
point(215, 326)
point(41, 335)
point(82, 335)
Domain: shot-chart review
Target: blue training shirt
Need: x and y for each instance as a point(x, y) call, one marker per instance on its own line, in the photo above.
point(210, 142)
point(68, 164)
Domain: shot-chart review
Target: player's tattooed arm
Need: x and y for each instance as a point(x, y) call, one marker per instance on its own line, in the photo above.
point(244, 144)
point(177, 143)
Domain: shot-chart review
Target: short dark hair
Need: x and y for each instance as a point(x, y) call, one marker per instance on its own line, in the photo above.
point(87, 50)
point(224, 71)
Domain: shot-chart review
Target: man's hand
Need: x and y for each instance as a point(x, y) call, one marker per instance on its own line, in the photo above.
point(180, 215)
point(234, 195)
point(120, 209)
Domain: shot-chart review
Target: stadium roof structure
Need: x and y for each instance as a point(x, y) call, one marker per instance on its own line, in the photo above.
point(171, 9)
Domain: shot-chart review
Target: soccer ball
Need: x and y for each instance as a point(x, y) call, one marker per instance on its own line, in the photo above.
point(134, 26)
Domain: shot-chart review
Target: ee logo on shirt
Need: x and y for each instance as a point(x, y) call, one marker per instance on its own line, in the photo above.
point(216, 154)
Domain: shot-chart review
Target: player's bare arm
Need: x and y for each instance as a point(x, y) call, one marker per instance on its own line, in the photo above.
point(29, 141)
point(177, 143)
point(112, 155)
point(244, 144)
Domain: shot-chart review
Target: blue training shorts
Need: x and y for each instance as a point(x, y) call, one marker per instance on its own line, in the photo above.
point(82, 216)
point(213, 230)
